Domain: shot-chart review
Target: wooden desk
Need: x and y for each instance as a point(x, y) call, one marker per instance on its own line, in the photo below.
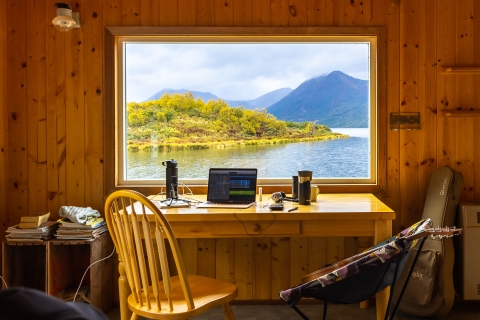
point(333, 215)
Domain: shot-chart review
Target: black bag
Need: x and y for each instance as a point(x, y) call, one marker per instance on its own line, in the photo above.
point(430, 290)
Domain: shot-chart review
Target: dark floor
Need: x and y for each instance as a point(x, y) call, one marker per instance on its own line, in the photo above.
point(465, 310)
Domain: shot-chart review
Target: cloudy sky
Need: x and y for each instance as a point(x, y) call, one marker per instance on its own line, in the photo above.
point(236, 71)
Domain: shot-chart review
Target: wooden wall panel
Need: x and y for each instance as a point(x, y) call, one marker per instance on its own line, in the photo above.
point(409, 93)
point(75, 115)
point(262, 268)
point(4, 165)
point(335, 13)
point(427, 96)
point(446, 11)
point(279, 13)
point(187, 12)
point(206, 12)
point(354, 12)
point(206, 257)
point(298, 16)
point(225, 259)
point(260, 13)
point(17, 113)
point(112, 12)
point(317, 10)
point(36, 108)
point(280, 265)
point(52, 109)
point(188, 248)
point(476, 102)
point(299, 254)
point(131, 13)
point(464, 96)
point(223, 13)
point(390, 15)
point(168, 12)
point(55, 99)
point(94, 154)
point(244, 268)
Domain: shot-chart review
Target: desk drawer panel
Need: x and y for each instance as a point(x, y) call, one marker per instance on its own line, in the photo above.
point(338, 228)
point(237, 229)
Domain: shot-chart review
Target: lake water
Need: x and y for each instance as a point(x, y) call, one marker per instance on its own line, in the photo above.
point(340, 158)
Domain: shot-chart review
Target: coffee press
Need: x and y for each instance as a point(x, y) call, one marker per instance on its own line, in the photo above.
point(304, 178)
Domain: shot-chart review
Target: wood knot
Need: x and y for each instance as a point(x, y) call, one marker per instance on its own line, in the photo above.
point(292, 10)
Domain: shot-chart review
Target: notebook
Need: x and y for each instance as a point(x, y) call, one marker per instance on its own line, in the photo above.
point(231, 188)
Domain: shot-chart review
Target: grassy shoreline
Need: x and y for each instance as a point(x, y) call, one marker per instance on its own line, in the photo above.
point(160, 147)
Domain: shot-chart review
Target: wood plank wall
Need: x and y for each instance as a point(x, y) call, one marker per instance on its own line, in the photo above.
point(51, 112)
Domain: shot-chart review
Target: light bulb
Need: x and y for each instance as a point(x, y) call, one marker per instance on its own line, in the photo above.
point(63, 23)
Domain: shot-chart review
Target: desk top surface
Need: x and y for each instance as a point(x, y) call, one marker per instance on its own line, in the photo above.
point(327, 207)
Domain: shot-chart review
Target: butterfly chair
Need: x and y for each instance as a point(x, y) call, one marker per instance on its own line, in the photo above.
point(357, 278)
point(180, 296)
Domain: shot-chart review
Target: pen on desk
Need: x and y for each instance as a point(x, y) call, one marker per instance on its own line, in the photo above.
point(293, 209)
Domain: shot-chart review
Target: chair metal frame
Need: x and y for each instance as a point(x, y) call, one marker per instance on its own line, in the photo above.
point(397, 261)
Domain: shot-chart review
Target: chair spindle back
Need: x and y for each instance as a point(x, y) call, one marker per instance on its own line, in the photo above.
point(128, 215)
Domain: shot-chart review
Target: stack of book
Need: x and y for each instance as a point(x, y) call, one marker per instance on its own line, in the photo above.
point(44, 232)
point(89, 230)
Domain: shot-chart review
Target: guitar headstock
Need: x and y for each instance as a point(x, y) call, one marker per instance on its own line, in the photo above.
point(440, 233)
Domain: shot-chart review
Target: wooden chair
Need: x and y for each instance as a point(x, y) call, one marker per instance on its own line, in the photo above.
point(180, 296)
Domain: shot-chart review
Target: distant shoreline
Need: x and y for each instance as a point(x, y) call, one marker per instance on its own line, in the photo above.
point(155, 147)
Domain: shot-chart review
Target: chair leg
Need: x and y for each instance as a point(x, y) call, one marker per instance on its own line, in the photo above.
point(294, 307)
point(134, 317)
point(227, 311)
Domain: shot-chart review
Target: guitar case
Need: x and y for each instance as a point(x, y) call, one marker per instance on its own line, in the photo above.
point(430, 291)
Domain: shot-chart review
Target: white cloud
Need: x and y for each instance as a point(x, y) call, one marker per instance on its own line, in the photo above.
point(236, 71)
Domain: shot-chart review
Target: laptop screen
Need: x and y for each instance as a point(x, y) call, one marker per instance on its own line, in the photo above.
point(232, 185)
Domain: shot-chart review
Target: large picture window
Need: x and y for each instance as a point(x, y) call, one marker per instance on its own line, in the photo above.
point(276, 102)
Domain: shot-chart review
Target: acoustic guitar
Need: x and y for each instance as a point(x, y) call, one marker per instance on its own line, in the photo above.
point(433, 232)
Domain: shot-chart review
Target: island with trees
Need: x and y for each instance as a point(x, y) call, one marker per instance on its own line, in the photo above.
point(179, 121)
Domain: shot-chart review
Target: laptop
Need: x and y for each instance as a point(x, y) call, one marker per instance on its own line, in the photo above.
point(231, 188)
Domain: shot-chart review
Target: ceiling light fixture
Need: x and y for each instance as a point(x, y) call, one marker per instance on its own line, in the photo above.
point(65, 21)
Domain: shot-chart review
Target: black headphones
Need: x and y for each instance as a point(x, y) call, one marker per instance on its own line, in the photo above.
point(281, 196)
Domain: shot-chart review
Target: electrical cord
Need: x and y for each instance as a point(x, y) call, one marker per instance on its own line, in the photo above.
point(184, 196)
point(245, 228)
point(74, 297)
point(6, 287)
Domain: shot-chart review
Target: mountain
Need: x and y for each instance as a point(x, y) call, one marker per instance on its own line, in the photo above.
point(270, 98)
point(263, 101)
point(337, 100)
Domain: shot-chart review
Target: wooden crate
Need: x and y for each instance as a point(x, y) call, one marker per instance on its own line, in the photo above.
point(25, 264)
point(55, 265)
point(68, 261)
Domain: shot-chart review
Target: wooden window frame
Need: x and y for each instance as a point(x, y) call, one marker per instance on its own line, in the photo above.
point(227, 34)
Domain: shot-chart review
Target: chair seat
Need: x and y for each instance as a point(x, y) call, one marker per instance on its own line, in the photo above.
point(206, 293)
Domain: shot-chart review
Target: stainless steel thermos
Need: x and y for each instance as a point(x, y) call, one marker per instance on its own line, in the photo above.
point(171, 178)
point(294, 187)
